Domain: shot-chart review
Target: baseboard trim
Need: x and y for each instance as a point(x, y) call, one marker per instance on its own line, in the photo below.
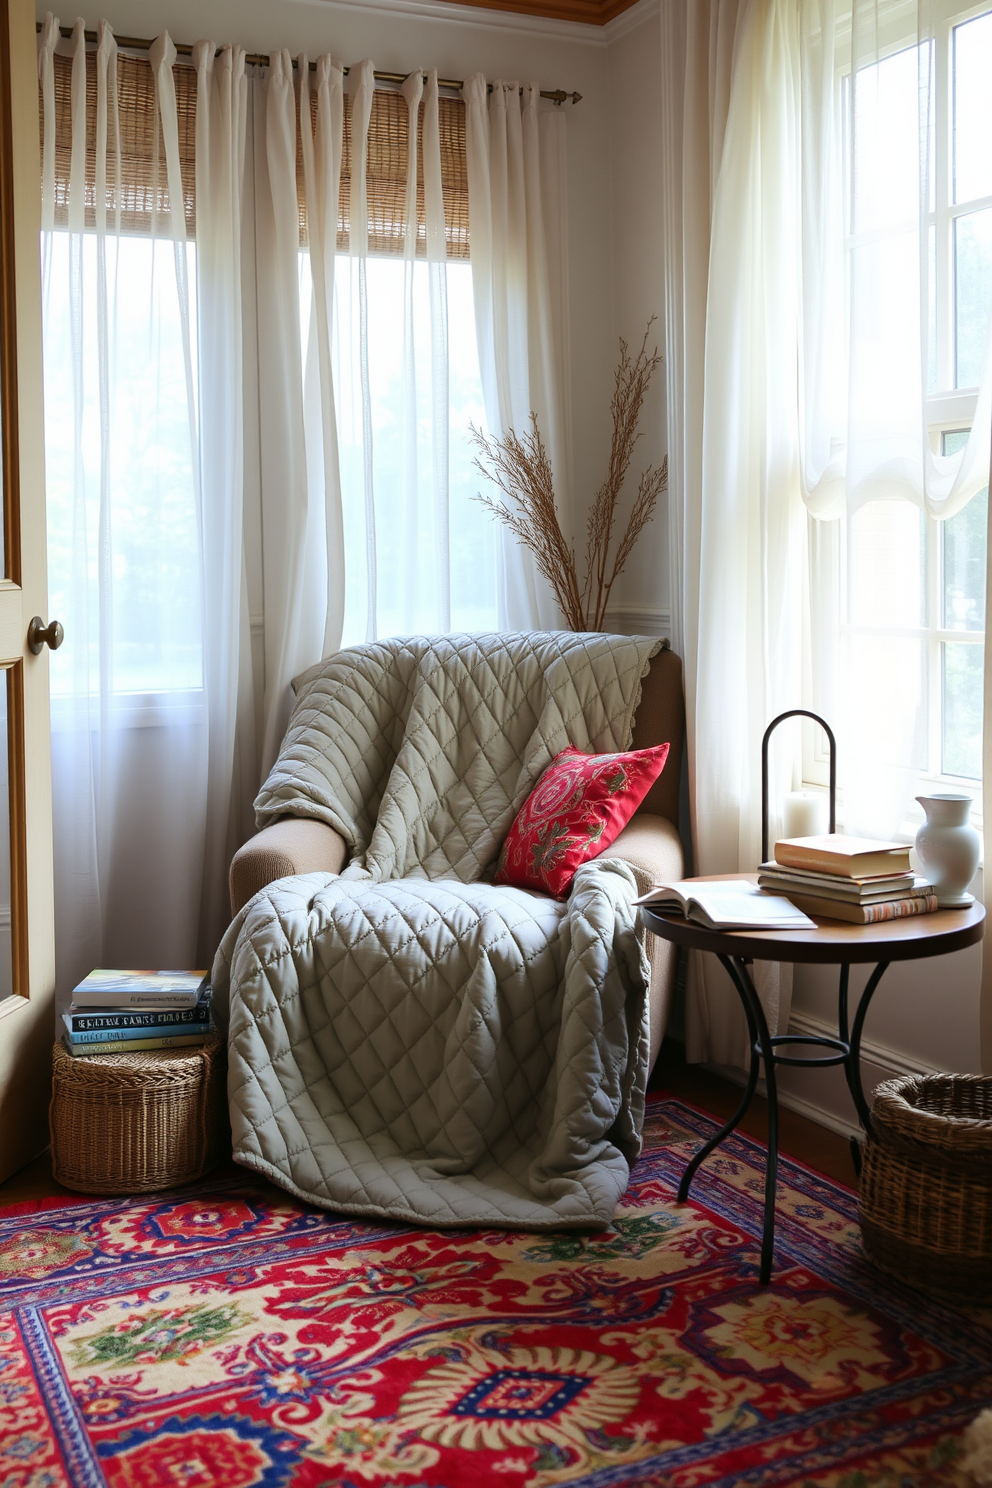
point(893, 1062)
point(876, 1059)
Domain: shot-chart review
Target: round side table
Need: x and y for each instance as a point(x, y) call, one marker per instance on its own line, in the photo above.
point(833, 942)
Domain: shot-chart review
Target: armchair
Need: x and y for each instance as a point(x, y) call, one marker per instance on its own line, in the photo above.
point(650, 842)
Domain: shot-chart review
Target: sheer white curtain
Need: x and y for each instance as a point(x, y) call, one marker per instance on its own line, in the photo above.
point(299, 570)
point(807, 381)
point(897, 391)
point(879, 373)
point(515, 181)
point(367, 369)
point(148, 687)
point(731, 172)
point(274, 349)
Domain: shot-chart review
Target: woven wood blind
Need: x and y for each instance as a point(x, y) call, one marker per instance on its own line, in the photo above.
point(386, 176)
point(145, 187)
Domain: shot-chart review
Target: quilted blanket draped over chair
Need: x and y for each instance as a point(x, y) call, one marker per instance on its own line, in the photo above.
point(405, 1039)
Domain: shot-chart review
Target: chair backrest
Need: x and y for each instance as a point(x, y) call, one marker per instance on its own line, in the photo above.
point(661, 719)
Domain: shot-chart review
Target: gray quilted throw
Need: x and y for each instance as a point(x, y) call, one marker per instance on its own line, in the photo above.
point(407, 1040)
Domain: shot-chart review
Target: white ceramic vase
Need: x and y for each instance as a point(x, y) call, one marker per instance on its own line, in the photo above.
point(947, 847)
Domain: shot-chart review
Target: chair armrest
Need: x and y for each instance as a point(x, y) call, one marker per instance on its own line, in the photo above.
point(653, 848)
point(650, 844)
point(295, 844)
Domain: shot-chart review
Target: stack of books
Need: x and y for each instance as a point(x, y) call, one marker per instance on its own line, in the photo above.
point(847, 878)
point(127, 1012)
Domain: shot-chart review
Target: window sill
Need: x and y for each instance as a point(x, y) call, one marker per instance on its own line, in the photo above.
point(182, 708)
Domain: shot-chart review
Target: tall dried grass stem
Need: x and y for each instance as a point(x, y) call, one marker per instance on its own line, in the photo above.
point(521, 471)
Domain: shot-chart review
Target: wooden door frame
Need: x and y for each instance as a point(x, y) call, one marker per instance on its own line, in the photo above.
point(27, 1023)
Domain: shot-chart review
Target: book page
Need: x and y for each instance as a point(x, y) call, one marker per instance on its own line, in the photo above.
point(728, 904)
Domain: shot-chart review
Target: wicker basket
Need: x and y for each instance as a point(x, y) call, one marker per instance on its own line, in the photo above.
point(926, 1184)
point(135, 1123)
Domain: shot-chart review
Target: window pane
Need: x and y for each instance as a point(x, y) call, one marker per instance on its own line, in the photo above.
point(885, 565)
point(932, 308)
point(886, 142)
point(962, 741)
point(964, 566)
point(124, 521)
point(963, 553)
point(407, 530)
point(972, 294)
point(972, 109)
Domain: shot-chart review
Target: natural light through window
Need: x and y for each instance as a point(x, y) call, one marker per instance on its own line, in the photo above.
point(407, 519)
point(913, 586)
point(144, 559)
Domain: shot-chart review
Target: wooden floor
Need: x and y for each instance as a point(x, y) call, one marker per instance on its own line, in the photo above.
point(799, 1137)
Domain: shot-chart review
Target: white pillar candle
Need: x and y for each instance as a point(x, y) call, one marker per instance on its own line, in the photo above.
point(804, 814)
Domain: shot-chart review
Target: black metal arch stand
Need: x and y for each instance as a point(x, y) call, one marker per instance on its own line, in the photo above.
point(845, 1050)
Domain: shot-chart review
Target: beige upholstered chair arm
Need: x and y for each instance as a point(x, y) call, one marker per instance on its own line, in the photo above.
point(652, 844)
point(293, 845)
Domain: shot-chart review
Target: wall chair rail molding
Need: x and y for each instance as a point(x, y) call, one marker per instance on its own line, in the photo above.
point(646, 620)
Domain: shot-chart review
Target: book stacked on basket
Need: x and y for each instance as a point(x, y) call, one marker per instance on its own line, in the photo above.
point(128, 1012)
point(847, 878)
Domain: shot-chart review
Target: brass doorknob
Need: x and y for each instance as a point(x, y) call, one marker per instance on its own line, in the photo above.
point(40, 634)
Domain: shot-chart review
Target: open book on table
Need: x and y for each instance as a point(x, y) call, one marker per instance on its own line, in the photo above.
point(727, 904)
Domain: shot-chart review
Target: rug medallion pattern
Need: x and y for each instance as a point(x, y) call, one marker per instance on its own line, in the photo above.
point(229, 1336)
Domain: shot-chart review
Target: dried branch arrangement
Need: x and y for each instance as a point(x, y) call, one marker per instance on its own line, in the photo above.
point(520, 468)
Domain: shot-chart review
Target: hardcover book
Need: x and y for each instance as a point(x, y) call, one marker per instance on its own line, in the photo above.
point(131, 1045)
point(178, 1020)
point(154, 1030)
point(140, 989)
point(854, 891)
point(865, 914)
point(846, 857)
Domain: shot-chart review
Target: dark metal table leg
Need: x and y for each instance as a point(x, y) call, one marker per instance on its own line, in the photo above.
point(771, 1161)
point(843, 1031)
point(752, 1080)
point(853, 1065)
point(762, 1049)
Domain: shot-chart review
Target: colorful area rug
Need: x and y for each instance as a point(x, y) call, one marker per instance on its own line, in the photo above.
point(227, 1335)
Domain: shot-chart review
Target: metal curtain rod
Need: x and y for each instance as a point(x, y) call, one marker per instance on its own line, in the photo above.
point(260, 59)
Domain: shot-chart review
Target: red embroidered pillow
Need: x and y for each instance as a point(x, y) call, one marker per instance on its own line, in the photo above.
point(576, 809)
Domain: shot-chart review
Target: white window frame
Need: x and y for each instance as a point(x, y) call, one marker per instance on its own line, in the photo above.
point(948, 410)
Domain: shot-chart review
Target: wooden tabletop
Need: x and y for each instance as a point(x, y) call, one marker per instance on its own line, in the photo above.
point(833, 941)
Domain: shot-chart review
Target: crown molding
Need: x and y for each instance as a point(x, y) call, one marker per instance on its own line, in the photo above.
point(629, 20)
point(583, 12)
point(532, 18)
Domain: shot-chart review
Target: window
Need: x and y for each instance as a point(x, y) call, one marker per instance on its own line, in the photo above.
point(121, 367)
point(144, 561)
point(911, 587)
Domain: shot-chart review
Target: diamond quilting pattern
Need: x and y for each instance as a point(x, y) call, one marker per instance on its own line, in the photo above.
point(406, 1040)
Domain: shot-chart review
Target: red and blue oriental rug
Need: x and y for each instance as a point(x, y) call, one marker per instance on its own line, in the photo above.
point(227, 1335)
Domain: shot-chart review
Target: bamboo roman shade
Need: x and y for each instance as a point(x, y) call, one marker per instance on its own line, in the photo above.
point(386, 175)
point(144, 188)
